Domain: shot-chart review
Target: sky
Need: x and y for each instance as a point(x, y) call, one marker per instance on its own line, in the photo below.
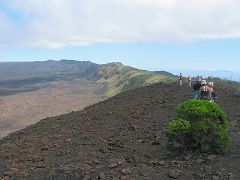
point(173, 35)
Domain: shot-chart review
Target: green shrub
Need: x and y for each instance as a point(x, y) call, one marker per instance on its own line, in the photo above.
point(179, 126)
point(210, 136)
point(178, 130)
point(200, 125)
point(196, 110)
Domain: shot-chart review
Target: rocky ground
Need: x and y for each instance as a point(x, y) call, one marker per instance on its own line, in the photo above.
point(120, 138)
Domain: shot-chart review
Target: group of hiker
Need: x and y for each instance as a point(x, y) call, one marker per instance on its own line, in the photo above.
point(203, 90)
point(189, 80)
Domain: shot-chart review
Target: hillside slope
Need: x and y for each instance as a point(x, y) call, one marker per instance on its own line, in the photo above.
point(120, 78)
point(19, 77)
point(122, 137)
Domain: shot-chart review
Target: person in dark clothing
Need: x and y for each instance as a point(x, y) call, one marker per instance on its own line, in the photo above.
point(196, 88)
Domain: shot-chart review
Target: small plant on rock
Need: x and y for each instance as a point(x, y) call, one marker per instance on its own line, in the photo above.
point(200, 125)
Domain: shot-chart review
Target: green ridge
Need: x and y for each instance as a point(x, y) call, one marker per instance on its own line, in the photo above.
point(120, 78)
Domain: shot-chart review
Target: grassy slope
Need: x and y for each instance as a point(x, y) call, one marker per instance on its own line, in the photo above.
point(121, 78)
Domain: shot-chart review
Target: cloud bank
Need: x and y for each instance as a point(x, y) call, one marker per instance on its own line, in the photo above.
point(53, 24)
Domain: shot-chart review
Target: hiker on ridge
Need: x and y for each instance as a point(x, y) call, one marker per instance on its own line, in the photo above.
point(190, 81)
point(180, 79)
point(205, 91)
point(197, 85)
point(212, 92)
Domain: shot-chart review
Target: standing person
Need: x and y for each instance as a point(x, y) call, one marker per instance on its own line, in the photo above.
point(190, 81)
point(181, 79)
point(204, 91)
point(197, 85)
point(213, 93)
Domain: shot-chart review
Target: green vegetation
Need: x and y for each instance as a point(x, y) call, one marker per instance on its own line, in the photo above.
point(200, 125)
point(121, 78)
point(179, 126)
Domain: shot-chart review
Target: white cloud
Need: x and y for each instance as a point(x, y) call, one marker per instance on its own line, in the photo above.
point(59, 23)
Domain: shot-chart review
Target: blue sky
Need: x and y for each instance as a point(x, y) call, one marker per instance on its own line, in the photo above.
point(148, 34)
point(202, 55)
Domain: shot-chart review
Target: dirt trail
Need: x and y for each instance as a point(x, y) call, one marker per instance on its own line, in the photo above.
point(120, 138)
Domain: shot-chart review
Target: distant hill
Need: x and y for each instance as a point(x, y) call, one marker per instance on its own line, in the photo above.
point(28, 76)
point(121, 78)
point(164, 73)
point(52, 70)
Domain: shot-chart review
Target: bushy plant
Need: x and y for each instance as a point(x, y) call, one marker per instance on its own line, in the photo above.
point(210, 136)
point(200, 125)
point(178, 130)
point(179, 126)
point(197, 110)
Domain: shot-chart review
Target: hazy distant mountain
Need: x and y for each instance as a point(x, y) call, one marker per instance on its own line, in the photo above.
point(27, 76)
point(64, 69)
point(223, 74)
